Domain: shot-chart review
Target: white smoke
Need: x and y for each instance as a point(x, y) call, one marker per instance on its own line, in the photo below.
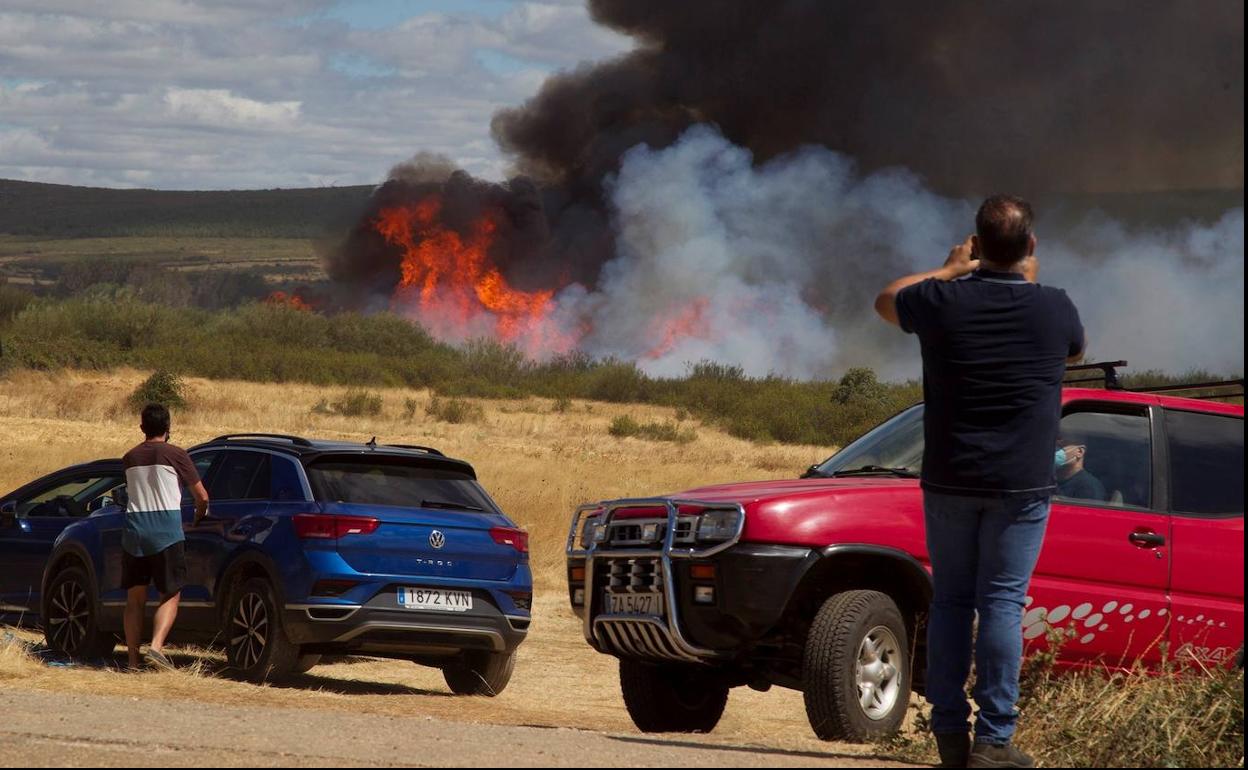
point(1171, 300)
point(774, 268)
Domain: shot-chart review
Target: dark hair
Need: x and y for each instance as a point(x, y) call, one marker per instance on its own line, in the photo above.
point(155, 420)
point(1003, 225)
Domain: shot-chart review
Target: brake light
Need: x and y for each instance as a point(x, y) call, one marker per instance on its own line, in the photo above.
point(321, 526)
point(516, 538)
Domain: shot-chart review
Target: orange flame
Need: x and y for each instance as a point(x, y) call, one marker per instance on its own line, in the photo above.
point(689, 322)
point(292, 300)
point(454, 282)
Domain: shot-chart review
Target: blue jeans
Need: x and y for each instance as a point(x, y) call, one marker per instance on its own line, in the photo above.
point(983, 551)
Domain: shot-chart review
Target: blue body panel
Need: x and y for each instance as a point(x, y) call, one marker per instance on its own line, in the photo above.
point(260, 535)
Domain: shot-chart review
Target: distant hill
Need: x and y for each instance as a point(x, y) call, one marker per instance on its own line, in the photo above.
point(65, 211)
point(54, 210)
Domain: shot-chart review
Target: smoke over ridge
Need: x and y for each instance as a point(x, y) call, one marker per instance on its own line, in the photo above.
point(738, 186)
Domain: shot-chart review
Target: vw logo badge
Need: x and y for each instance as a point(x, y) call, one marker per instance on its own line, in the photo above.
point(437, 539)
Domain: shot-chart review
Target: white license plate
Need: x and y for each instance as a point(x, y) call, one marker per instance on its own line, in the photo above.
point(435, 599)
point(635, 604)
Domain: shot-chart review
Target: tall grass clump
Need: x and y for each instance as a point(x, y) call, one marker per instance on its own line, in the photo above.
point(1167, 716)
point(625, 426)
point(357, 403)
point(455, 410)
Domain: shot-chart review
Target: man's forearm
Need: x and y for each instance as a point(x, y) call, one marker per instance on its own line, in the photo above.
point(886, 302)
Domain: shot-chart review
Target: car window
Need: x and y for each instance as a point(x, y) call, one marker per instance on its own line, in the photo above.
point(241, 476)
point(1109, 458)
point(1206, 462)
point(895, 443)
point(395, 481)
point(73, 497)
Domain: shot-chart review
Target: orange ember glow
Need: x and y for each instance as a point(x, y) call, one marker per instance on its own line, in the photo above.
point(292, 300)
point(452, 279)
point(689, 322)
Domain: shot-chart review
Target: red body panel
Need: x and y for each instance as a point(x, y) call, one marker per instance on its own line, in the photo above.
point(1119, 600)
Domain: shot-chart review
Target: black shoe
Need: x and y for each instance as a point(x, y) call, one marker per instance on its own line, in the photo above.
point(999, 755)
point(954, 748)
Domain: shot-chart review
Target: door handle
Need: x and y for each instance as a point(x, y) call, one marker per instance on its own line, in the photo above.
point(1146, 539)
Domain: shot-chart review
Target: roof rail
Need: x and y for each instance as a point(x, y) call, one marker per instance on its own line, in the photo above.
point(418, 447)
point(1178, 388)
point(1109, 376)
point(296, 440)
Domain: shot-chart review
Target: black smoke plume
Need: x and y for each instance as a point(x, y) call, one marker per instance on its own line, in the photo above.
point(1043, 98)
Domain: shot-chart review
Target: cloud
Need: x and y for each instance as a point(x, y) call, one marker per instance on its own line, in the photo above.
point(219, 107)
point(187, 94)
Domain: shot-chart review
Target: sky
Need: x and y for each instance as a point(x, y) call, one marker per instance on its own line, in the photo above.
point(234, 94)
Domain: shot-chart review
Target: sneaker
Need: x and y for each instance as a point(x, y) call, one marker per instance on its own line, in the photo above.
point(999, 755)
point(954, 748)
point(158, 659)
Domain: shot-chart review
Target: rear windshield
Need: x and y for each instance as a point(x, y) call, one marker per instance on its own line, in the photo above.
point(396, 481)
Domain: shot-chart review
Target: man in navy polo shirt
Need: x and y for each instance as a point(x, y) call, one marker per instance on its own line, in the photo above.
point(995, 346)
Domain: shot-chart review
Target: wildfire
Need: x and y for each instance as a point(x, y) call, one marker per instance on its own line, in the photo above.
point(291, 300)
point(688, 322)
point(457, 289)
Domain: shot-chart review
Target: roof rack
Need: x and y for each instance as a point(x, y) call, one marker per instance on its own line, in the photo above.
point(296, 440)
point(418, 447)
point(1218, 385)
point(1109, 376)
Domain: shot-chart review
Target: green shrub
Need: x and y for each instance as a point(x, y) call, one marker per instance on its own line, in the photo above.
point(163, 387)
point(358, 403)
point(624, 426)
point(455, 410)
point(562, 404)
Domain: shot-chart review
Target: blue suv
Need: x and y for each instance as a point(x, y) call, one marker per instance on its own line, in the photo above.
point(310, 548)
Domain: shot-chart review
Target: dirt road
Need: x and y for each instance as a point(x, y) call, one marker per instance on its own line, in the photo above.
point(48, 729)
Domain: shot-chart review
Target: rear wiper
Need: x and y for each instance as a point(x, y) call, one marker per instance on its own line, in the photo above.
point(450, 505)
point(865, 470)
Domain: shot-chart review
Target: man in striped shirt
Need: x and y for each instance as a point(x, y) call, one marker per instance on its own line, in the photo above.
point(153, 549)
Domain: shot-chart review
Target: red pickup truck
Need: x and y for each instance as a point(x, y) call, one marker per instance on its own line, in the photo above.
point(822, 584)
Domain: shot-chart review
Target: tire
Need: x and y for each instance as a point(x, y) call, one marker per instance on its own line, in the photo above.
point(852, 693)
point(70, 617)
point(256, 644)
point(480, 673)
point(305, 663)
point(671, 698)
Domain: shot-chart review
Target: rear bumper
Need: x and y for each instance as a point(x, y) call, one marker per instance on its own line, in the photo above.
point(383, 628)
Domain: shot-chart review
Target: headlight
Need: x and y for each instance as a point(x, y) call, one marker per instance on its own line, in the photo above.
point(592, 532)
point(718, 525)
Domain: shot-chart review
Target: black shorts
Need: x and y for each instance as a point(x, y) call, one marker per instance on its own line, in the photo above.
point(166, 569)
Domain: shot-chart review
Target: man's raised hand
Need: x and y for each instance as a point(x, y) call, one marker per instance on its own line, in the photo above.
point(962, 260)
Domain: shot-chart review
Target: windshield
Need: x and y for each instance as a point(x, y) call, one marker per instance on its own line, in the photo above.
point(895, 443)
point(396, 481)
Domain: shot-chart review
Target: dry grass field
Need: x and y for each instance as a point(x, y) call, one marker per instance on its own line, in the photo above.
point(538, 463)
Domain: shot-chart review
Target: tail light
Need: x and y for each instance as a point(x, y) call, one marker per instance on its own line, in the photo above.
point(516, 538)
point(320, 526)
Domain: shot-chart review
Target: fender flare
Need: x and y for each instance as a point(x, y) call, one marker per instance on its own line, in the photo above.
point(241, 559)
point(913, 567)
point(83, 554)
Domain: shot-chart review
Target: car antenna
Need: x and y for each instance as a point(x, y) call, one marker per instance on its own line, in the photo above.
point(372, 443)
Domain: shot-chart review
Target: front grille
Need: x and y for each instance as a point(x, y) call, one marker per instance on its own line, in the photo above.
point(632, 533)
point(634, 576)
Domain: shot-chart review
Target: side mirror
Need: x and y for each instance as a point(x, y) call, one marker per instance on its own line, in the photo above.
point(811, 472)
point(8, 513)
